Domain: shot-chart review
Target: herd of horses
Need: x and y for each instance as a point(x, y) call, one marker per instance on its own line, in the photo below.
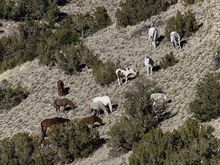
point(98, 105)
point(103, 103)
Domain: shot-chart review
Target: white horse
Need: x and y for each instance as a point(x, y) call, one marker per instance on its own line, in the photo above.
point(175, 39)
point(96, 107)
point(153, 34)
point(158, 96)
point(149, 63)
point(105, 100)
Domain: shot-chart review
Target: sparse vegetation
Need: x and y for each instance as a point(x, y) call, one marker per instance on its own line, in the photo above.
point(185, 24)
point(206, 105)
point(64, 144)
point(217, 59)
point(74, 58)
point(190, 144)
point(45, 40)
point(102, 18)
point(87, 24)
point(190, 2)
point(16, 150)
point(104, 73)
point(19, 10)
point(132, 12)
point(11, 96)
point(168, 60)
point(141, 117)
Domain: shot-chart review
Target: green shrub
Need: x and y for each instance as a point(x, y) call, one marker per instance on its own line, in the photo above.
point(104, 73)
point(102, 18)
point(138, 103)
point(73, 140)
point(168, 60)
point(19, 10)
point(206, 105)
point(185, 24)
point(16, 150)
point(63, 145)
point(189, 2)
point(124, 134)
point(87, 24)
point(44, 156)
point(189, 145)
point(132, 12)
point(11, 96)
point(217, 59)
point(141, 117)
point(45, 39)
point(66, 35)
point(75, 57)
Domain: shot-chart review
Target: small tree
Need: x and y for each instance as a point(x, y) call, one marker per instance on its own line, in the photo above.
point(104, 73)
point(206, 105)
point(185, 24)
point(75, 57)
point(132, 12)
point(11, 96)
point(102, 18)
point(168, 60)
point(190, 144)
point(141, 116)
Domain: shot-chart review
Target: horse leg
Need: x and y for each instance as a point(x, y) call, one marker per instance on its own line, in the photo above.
point(119, 82)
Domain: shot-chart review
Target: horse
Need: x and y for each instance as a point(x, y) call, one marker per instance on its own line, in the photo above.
point(60, 87)
point(97, 107)
point(153, 34)
point(149, 63)
point(63, 102)
point(47, 123)
point(175, 39)
point(91, 120)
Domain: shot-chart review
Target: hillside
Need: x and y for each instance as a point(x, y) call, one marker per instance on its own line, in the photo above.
point(129, 46)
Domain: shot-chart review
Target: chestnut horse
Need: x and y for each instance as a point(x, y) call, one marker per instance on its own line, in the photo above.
point(60, 87)
point(63, 103)
point(47, 123)
point(91, 120)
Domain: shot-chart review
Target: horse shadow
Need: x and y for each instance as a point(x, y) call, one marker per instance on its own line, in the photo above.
point(156, 68)
point(96, 143)
point(160, 39)
point(61, 16)
point(101, 112)
point(62, 2)
point(67, 109)
point(183, 43)
point(66, 91)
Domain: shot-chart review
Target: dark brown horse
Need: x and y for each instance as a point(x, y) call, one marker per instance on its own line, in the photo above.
point(91, 120)
point(60, 87)
point(47, 123)
point(63, 103)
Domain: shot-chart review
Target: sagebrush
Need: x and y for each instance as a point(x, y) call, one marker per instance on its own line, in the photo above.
point(190, 144)
point(140, 117)
point(184, 24)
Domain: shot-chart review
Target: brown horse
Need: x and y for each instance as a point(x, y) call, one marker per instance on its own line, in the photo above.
point(91, 120)
point(63, 103)
point(47, 123)
point(60, 87)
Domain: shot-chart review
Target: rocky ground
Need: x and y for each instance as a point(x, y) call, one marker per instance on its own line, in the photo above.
point(129, 46)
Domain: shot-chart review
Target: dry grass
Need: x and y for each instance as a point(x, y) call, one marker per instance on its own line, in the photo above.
point(130, 46)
